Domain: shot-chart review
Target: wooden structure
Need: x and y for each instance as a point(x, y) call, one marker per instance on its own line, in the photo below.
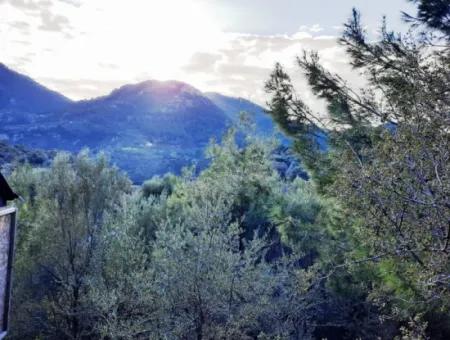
point(6, 193)
point(7, 234)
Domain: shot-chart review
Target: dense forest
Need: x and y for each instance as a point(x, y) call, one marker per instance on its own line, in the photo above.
point(13, 155)
point(359, 250)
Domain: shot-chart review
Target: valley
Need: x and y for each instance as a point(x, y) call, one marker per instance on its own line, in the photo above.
point(146, 129)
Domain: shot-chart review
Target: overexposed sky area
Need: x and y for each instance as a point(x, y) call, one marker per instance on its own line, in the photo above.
point(86, 48)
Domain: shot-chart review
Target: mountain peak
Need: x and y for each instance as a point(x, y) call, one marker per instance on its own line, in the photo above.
point(151, 127)
point(6, 70)
point(155, 87)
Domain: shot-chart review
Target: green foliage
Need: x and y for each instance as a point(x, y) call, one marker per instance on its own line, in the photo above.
point(11, 155)
point(387, 164)
point(56, 255)
point(159, 185)
point(200, 257)
point(434, 14)
point(237, 252)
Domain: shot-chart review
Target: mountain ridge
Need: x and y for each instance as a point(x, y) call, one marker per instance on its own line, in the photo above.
point(36, 94)
point(148, 128)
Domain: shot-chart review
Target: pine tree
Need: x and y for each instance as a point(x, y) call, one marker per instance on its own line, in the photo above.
point(387, 160)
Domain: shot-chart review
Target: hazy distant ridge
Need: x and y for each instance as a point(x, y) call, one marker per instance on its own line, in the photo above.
point(148, 128)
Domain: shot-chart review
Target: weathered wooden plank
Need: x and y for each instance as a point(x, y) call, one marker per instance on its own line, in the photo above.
point(7, 230)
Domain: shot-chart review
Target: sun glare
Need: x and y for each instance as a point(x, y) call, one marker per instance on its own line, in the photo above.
point(154, 37)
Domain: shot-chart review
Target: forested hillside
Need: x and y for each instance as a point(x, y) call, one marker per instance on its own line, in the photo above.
point(149, 128)
point(357, 249)
point(13, 155)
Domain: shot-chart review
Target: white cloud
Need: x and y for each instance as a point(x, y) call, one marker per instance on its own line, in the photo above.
point(242, 66)
point(52, 22)
point(86, 49)
point(316, 28)
point(45, 11)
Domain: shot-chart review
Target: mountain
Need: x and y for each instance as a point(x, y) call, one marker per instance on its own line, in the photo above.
point(20, 95)
point(148, 113)
point(152, 112)
point(148, 128)
point(234, 106)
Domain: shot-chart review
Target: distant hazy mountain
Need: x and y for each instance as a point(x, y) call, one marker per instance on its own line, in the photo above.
point(20, 95)
point(148, 128)
point(234, 106)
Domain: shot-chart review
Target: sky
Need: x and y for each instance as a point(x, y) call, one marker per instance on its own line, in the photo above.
point(86, 48)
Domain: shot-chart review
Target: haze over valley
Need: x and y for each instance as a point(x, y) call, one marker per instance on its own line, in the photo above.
point(147, 129)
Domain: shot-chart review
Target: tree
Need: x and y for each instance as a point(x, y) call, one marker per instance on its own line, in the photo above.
point(212, 287)
point(434, 14)
point(388, 156)
point(197, 277)
point(123, 294)
point(57, 255)
point(234, 252)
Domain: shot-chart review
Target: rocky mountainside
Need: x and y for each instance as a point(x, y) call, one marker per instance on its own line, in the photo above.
point(148, 128)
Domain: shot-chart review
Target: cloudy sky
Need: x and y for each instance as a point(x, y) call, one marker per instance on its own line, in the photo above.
point(86, 48)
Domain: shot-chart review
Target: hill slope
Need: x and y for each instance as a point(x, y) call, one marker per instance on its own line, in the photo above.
point(234, 106)
point(147, 128)
point(20, 95)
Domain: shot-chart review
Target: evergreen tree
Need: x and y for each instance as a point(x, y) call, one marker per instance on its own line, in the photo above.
point(57, 253)
point(388, 160)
